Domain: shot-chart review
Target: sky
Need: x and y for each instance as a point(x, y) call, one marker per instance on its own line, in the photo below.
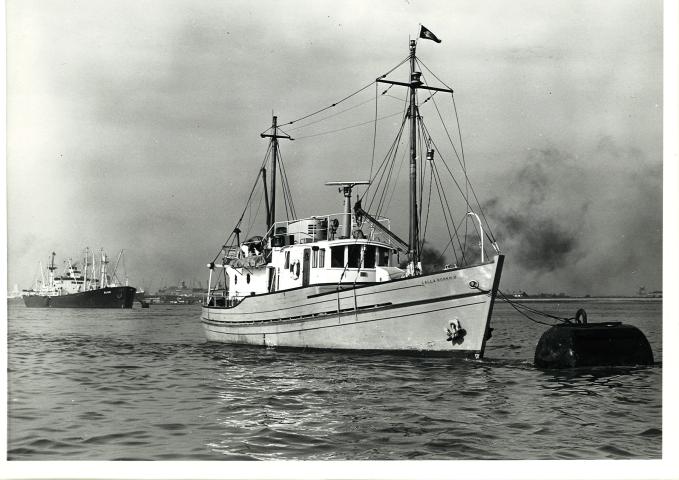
point(135, 125)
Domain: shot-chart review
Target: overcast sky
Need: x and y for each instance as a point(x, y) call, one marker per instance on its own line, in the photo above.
point(135, 125)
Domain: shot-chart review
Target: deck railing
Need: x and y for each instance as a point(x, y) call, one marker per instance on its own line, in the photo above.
point(325, 227)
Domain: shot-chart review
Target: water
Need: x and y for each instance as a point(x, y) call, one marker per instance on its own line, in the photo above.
point(143, 384)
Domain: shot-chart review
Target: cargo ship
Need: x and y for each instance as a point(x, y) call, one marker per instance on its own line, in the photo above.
point(89, 287)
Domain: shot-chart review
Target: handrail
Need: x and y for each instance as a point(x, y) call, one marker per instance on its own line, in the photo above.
point(480, 231)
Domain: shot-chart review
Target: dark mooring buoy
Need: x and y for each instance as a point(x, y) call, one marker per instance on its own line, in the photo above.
point(583, 344)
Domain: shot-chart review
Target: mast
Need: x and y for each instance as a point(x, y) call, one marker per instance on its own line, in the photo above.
point(413, 237)
point(102, 268)
point(51, 268)
point(414, 84)
point(274, 161)
point(87, 254)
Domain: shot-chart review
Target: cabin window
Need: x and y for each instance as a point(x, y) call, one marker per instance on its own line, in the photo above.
point(369, 256)
point(287, 260)
point(318, 258)
point(337, 257)
point(382, 257)
point(247, 278)
point(235, 279)
point(354, 256)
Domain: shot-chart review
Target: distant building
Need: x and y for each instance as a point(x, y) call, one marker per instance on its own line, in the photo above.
point(654, 294)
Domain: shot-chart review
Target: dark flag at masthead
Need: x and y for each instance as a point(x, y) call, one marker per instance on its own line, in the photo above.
point(426, 33)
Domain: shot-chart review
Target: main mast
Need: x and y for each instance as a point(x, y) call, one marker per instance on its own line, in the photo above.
point(413, 85)
point(412, 112)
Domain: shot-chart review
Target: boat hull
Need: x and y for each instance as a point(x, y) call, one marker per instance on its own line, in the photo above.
point(110, 297)
point(406, 315)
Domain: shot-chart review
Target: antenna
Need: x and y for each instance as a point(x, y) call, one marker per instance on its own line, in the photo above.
point(346, 187)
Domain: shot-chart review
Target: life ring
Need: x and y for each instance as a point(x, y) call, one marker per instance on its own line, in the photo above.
point(294, 269)
point(581, 316)
point(455, 333)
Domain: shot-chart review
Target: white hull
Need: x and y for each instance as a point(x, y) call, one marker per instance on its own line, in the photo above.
point(409, 315)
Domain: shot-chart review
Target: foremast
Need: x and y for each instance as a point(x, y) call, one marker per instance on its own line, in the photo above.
point(274, 135)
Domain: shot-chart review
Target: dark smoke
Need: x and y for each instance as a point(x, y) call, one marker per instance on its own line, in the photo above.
point(544, 244)
point(540, 230)
point(586, 224)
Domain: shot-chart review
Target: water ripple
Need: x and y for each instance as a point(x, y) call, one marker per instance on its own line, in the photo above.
point(136, 385)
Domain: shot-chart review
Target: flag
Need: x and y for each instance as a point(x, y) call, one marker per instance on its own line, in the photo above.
point(426, 33)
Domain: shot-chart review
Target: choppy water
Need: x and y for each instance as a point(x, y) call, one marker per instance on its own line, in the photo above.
point(143, 384)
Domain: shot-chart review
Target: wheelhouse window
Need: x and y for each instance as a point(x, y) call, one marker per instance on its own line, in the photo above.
point(354, 256)
point(318, 258)
point(337, 257)
point(369, 256)
point(382, 257)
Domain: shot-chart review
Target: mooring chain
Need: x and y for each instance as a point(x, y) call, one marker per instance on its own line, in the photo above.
point(580, 316)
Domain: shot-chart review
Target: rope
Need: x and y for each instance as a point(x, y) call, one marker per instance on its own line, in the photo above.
point(247, 205)
point(348, 127)
point(331, 116)
point(518, 306)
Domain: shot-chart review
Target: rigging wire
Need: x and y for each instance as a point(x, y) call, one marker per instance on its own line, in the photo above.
point(463, 248)
point(459, 188)
point(426, 222)
point(391, 154)
point(383, 202)
point(393, 189)
point(345, 98)
point(346, 128)
point(445, 217)
point(333, 115)
point(372, 157)
point(247, 204)
point(460, 158)
point(286, 187)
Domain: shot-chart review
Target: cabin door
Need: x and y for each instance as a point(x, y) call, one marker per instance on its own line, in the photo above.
point(306, 267)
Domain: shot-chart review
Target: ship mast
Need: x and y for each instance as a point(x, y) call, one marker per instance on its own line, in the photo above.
point(271, 217)
point(413, 237)
point(51, 268)
point(413, 85)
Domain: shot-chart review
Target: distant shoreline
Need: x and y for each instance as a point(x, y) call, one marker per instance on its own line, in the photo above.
point(587, 299)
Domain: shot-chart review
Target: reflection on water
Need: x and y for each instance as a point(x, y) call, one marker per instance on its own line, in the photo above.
point(143, 384)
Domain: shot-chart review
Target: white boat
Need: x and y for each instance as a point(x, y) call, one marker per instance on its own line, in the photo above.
point(334, 281)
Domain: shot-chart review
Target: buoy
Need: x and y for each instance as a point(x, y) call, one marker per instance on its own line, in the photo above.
point(583, 344)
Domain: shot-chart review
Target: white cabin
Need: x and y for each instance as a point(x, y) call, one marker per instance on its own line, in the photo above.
point(308, 252)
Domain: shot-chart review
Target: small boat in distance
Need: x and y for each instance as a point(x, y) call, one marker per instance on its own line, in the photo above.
point(338, 281)
point(89, 287)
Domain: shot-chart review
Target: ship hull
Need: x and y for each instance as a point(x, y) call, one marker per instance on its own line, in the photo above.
point(406, 315)
point(110, 297)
